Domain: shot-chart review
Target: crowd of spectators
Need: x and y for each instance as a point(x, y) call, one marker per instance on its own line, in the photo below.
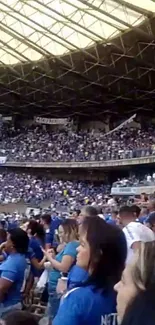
point(42, 144)
point(73, 267)
point(133, 180)
point(33, 190)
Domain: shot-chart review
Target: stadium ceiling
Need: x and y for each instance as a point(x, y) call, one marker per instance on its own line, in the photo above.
point(77, 57)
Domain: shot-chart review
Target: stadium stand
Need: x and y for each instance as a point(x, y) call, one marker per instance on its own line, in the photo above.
point(77, 154)
point(38, 144)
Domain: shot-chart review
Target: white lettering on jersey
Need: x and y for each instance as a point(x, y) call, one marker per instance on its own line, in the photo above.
point(110, 319)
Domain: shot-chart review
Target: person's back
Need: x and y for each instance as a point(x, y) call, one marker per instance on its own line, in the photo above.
point(35, 244)
point(93, 307)
point(136, 232)
point(14, 268)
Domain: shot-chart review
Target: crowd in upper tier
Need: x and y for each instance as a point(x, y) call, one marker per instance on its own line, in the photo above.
point(44, 145)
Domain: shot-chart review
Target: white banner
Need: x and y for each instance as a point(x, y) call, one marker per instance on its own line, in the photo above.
point(2, 160)
point(7, 118)
point(132, 190)
point(46, 120)
point(122, 124)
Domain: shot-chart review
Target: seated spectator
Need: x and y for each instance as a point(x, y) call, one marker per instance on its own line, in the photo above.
point(135, 291)
point(12, 270)
point(101, 254)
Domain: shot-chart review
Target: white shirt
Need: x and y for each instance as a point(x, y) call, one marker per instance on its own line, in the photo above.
point(111, 202)
point(136, 232)
point(101, 216)
point(148, 178)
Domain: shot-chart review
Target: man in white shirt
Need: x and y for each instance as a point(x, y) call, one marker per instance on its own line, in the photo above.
point(148, 178)
point(135, 232)
point(111, 202)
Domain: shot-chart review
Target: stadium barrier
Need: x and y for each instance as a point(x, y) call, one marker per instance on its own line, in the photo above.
point(84, 164)
point(132, 190)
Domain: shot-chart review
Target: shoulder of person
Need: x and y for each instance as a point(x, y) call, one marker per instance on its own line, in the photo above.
point(77, 275)
point(82, 296)
point(132, 226)
point(72, 245)
point(90, 299)
point(9, 264)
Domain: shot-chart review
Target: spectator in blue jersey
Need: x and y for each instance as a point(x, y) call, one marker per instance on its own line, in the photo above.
point(144, 213)
point(113, 219)
point(151, 206)
point(46, 221)
point(100, 262)
point(62, 262)
point(150, 222)
point(12, 270)
point(12, 224)
point(56, 221)
point(36, 241)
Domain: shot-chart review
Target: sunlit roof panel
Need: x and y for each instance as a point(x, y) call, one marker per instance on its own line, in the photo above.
point(32, 29)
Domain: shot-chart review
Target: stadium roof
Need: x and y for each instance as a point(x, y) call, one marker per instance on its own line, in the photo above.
point(71, 57)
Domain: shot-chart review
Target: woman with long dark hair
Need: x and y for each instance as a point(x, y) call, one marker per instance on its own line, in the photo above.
point(100, 262)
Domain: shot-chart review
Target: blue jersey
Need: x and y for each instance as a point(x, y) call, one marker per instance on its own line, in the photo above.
point(13, 269)
point(76, 277)
point(112, 222)
point(55, 223)
point(70, 250)
point(49, 235)
point(86, 306)
point(143, 219)
point(35, 244)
